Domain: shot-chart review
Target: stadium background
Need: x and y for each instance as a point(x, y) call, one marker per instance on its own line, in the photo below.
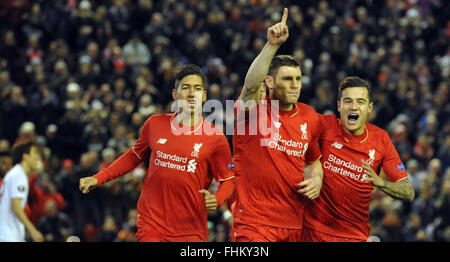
point(81, 77)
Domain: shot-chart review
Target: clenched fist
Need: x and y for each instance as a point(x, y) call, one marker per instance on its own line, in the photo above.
point(87, 184)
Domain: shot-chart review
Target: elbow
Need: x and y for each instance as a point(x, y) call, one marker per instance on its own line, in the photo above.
point(411, 194)
point(16, 209)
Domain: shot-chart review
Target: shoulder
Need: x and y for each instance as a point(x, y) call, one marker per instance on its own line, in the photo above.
point(15, 174)
point(210, 129)
point(307, 112)
point(158, 120)
point(379, 136)
point(160, 117)
point(377, 131)
point(329, 118)
point(306, 108)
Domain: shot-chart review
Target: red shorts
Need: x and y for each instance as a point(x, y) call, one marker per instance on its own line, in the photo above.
point(148, 234)
point(311, 235)
point(251, 232)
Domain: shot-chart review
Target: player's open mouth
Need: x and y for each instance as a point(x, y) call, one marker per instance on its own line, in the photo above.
point(352, 118)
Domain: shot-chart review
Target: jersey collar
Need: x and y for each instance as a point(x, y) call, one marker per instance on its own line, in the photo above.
point(354, 138)
point(291, 113)
point(176, 126)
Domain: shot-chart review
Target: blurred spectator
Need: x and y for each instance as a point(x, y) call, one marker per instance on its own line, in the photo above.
point(424, 204)
point(415, 174)
point(146, 108)
point(109, 230)
point(95, 134)
point(413, 231)
point(15, 105)
point(5, 164)
point(136, 53)
point(5, 146)
point(120, 19)
point(65, 182)
point(55, 225)
point(43, 192)
point(88, 208)
point(108, 156)
point(443, 210)
point(27, 131)
point(119, 141)
point(12, 55)
point(69, 131)
point(131, 222)
point(6, 85)
point(83, 26)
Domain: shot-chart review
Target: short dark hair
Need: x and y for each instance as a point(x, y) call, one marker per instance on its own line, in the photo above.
point(189, 69)
point(354, 81)
point(279, 61)
point(19, 149)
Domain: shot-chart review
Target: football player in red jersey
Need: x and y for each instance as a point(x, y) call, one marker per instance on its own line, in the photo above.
point(270, 162)
point(186, 152)
point(353, 153)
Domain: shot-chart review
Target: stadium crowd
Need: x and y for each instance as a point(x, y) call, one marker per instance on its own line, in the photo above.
point(81, 77)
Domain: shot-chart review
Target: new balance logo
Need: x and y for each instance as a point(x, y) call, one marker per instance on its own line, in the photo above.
point(337, 145)
point(192, 166)
point(162, 141)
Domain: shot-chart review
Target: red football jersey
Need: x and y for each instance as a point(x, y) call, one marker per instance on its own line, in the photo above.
point(269, 162)
point(342, 209)
point(183, 160)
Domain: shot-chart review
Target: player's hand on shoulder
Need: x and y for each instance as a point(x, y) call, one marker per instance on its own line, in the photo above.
point(87, 184)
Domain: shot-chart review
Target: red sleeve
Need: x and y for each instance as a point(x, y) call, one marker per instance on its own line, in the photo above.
point(124, 164)
point(221, 162)
point(313, 153)
point(392, 164)
point(222, 166)
point(224, 192)
point(129, 160)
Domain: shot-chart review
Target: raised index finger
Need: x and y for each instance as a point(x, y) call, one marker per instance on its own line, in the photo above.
point(285, 15)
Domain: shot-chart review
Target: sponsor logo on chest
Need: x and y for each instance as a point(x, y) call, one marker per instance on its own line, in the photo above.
point(340, 165)
point(177, 161)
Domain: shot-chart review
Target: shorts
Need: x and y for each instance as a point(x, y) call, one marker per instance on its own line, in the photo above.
point(311, 235)
point(251, 232)
point(149, 234)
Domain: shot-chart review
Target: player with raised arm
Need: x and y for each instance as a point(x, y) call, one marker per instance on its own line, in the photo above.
point(270, 163)
point(354, 152)
point(186, 152)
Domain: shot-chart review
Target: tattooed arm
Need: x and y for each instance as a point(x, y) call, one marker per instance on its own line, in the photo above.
point(402, 189)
